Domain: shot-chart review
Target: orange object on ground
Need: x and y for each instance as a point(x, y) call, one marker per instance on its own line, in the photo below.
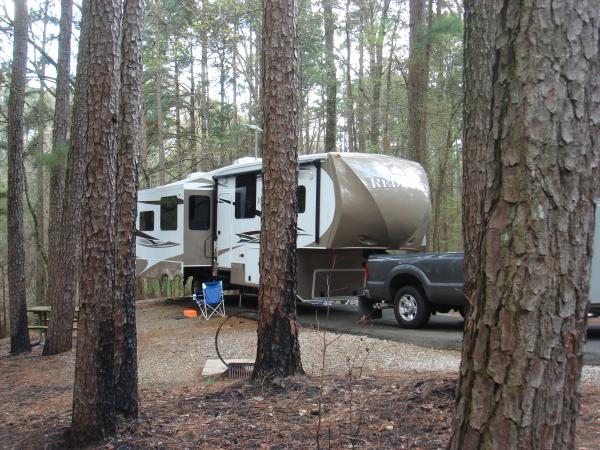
point(190, 313)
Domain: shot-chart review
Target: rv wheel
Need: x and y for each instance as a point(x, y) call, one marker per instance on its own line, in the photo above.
point(411, 308)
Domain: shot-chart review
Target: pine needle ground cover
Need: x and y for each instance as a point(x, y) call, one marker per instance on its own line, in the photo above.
point(179, 409)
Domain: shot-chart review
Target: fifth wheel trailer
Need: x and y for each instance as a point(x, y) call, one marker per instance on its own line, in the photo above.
point(349, 206)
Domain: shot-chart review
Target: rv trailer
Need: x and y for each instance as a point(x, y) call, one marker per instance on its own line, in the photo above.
point(350, 205)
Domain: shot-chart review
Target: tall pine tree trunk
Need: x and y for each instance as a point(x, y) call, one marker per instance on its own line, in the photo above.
point(162, 171)
point(204, 82)
point(222, 80)
point(178, 140)
point(93, 392)
point(418, 77)
point(441, 189)
point(40, 210)
point(19, 334)
point(388, 89)
point(193, 138)
point(531, 149)
point(145, 182)
point(234, 88)
point(126, 373)
point(65, 228)
point(59, 151)
point(278, 350)
point(350, 126)
point(377, 75)
point(360, 110)
point(330, 77)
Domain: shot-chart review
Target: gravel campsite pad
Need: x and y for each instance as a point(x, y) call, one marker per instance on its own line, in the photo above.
point(374, 393)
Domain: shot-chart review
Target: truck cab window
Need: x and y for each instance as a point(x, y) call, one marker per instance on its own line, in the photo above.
point(199, 212)
point(245, 197)
point(146, 220)
point(168, 213)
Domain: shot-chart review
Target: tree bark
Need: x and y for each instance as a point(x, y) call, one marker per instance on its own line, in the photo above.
point(440, 185)
point(278, 350)
point(360, 110)
point(418, 77)
point(19, 334)
point(531, 149)
point(40, 210)
point(234, 88)
point(222, 79)
point(3, 327)
point(162, 171)
point(330, 77)
point(377, 75)
point(193, 138)
point(144, 148)
point(57, 170)
point(350, 125)
point(388, 88)
point(178, 143)
point(65, 227)
point(126, 386)
point(204, 82)
point(93, 392)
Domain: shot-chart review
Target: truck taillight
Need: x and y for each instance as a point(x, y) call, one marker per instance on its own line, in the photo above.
point(366, 274)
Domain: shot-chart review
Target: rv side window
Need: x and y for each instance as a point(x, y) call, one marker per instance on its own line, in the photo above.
point(301, 194)
point(168, 213)
point(199, 212)
point(146, 220)
point(245, 197)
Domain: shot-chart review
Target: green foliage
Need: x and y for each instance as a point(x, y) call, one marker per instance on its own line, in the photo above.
point(447, 27)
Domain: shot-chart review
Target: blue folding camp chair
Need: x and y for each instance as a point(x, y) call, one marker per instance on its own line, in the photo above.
point(211, 301)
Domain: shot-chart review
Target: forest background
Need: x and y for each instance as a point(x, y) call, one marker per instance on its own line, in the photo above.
point(374, 78)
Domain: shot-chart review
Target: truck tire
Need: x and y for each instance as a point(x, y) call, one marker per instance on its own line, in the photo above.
point(411, 308)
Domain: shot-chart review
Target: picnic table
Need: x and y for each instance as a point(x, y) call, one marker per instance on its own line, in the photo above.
point(42, 317)
point(41, 314)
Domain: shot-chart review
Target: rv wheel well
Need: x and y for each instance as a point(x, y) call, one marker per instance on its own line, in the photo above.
point(399, 281)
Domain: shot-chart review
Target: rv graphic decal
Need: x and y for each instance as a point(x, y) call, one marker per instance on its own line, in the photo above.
point(253, 237)
point(227, 250)
point(157, 202)
point(249, 237)
point(149, 241)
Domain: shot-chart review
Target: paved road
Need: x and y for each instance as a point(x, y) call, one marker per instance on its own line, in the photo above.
point(444, 331)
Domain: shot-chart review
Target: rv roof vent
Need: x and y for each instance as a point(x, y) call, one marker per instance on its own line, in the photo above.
point(246, 160)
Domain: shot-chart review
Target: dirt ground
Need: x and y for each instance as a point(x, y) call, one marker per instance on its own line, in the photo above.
point(354, 405)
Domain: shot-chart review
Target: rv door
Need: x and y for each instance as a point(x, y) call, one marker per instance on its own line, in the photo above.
point(197, 230)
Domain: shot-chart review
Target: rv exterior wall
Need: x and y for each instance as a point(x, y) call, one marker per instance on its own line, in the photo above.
point(160, 250)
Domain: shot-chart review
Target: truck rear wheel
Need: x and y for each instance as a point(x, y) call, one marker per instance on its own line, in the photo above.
point(411, 308)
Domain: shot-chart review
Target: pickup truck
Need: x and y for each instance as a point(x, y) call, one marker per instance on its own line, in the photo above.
point(416, 285)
